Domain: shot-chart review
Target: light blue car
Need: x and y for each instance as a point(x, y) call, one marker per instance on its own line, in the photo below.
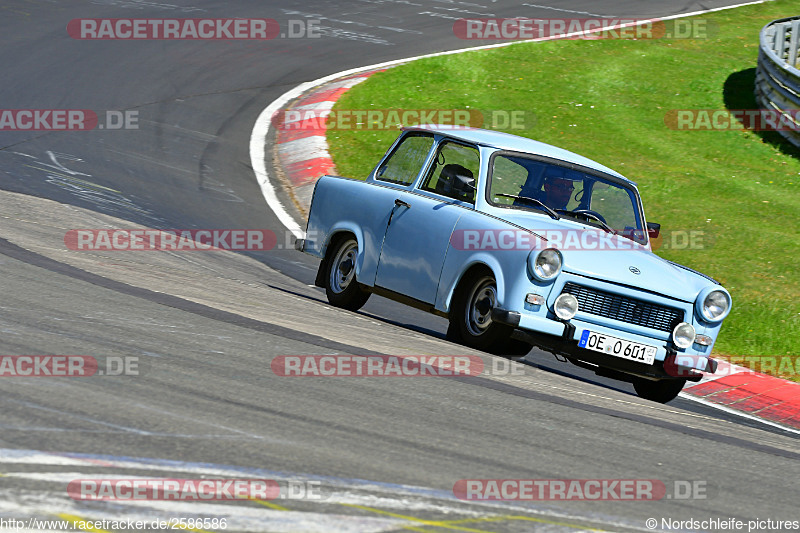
point(517, 243)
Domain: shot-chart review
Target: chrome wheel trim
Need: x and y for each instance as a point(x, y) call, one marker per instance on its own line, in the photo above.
point(343, 270)
point(482, 299)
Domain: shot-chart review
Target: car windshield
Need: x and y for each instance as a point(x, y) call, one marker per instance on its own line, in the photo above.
point(519, 182)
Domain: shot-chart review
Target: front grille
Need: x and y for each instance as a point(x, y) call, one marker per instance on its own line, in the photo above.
point(624, 309)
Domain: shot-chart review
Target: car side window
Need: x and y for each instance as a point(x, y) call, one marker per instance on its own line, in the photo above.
point(407, 159)
point(454, 172)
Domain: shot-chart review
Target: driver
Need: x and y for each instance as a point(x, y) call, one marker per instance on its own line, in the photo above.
point(557, 188)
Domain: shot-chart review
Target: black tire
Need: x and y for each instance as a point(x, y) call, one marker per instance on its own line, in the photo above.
point(661, 391)
point(470, 315)
point(341, 286)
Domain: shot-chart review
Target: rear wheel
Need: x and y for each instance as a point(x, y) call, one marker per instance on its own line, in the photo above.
point(661, 391)
point(471, 315)
point(341, 286)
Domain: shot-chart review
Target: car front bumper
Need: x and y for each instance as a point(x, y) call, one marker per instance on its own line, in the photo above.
point(562, 338)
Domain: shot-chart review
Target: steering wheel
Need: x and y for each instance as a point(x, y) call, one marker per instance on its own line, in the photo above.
point(588, 213)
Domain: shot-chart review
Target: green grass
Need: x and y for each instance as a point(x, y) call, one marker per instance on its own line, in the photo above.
point(607, 99)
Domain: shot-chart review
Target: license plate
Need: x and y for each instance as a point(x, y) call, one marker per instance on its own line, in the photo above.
point(600, 342)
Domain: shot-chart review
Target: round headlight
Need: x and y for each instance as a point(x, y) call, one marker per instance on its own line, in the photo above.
point(683, 335)
point(566, 306)
point(715, 305)
point(545, 265)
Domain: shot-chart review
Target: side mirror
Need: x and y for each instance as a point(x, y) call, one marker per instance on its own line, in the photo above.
point(653, 229)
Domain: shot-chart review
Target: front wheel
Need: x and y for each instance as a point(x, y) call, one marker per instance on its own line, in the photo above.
point(471, 315)
point(661, 391)
point(341, 286)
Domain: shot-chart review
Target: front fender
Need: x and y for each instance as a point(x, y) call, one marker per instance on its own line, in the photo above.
point(453, 272)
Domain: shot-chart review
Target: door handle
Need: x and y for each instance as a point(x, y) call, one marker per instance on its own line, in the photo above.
point(397, 203)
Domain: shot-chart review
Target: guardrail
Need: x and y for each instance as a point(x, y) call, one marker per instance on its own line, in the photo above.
point(777, 76)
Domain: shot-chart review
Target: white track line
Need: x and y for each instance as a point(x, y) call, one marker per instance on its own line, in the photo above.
point(336, 491)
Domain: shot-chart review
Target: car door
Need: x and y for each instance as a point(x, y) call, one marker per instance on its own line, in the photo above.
point(418, 232)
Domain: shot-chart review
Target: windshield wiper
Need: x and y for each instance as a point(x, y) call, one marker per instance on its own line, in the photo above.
point(590, 216)
point(603, 224)
point(535, 202)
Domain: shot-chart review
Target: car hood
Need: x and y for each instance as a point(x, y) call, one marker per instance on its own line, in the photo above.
point(618, 266)
point(640, 269)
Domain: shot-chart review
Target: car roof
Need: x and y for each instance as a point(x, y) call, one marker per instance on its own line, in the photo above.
point(507, 141)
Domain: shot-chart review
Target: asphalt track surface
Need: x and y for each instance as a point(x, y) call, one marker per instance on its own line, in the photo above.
point(204, 328)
